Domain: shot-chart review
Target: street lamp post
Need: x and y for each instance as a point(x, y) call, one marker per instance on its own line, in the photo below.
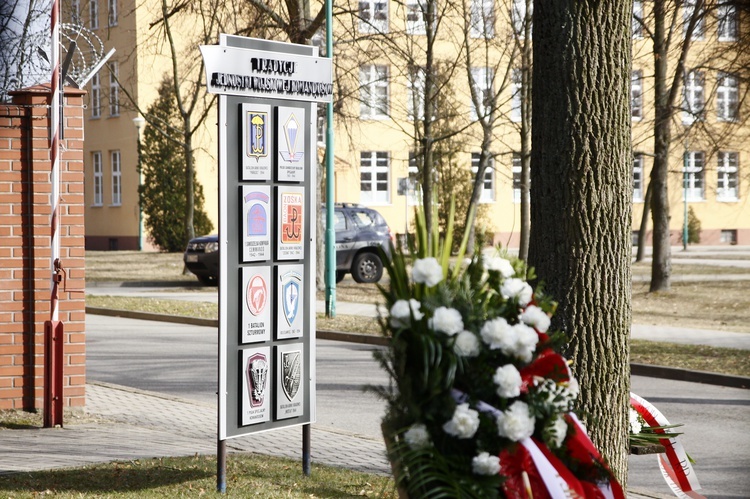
point(139, 121)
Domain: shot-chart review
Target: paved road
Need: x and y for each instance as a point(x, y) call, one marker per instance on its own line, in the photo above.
point(181, 360)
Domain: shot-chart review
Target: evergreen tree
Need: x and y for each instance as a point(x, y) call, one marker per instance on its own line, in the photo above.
point(163, 191)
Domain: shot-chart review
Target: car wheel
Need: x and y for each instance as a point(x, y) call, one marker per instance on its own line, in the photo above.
point(208, 280)
point(367, 268)
point(340, 274)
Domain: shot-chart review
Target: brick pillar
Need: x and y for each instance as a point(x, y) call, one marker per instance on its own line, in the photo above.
point(25, 247)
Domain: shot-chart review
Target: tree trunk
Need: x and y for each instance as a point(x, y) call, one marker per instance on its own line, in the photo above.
point(581, 200)
point(643, 229)
point(526, 83)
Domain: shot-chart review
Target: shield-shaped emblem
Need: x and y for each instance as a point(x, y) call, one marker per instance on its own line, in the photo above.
point(291, 301)
point(256, 140)
point(291, 372)
point(257, 375)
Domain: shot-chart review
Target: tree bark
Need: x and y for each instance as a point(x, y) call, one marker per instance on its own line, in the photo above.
point(581, 200)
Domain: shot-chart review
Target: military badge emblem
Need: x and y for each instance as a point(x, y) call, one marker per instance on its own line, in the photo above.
point(257, 378)
point(291, 372)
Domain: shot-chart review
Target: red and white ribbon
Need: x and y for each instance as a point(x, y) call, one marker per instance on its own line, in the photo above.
point(676, 468)
point(55, 105)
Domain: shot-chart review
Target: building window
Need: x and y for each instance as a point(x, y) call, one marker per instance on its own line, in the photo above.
point(636, 94)
point(94, 14)
point(482, 19)
point(728, 236)
point(688, 11)
point(416, 16)
point(516, 99)
point(727, 102)
point(96, 96)
point(693, 176)
point(693, 97)
point(638, 178)
point(114, 91)
point(373, 16)
point(517, 177)
point(116, 178)
point(412, 195)
point(112, 12)
point(321, 129)
point(636, 22)
point(488, 182)
point(374, 173)
point(727, 170)
point(727, 23)
point(518, 16)
point(75, 12)
point(373, 91)
point(415, 93)
point(483, 87)
point(96, 161)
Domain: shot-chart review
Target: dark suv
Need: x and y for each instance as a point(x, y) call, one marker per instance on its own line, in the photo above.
point(360, 232)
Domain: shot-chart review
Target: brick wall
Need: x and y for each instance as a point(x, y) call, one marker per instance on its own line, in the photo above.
point(25, 248)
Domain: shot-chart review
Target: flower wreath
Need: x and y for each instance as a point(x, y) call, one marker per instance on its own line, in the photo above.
point(479, 400)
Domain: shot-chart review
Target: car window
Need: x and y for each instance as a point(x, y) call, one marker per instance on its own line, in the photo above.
point(339, 222)
point(363, 219)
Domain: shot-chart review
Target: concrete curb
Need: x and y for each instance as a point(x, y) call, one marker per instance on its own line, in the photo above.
point(650, 371)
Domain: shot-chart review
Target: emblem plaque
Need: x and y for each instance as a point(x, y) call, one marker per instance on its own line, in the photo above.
point(256, 223)
point(289, 301)
point(256, 301)
point(290, 223)
point(289, 381)
point(256, 370)
point(256, 141)
point(291, 131)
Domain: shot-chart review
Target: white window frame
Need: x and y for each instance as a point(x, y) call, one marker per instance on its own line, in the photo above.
point(516, 171)
point(374, 91)
point(373, 16)
point(688, 7)
point(415, 88)
point(96, 167)
point(116, 163)
point(727, 97)
point(694, 97)
point(96, 96)
point(114, 90)
point(94, 14)
point(727, 172)
point(636, 95)
point(482, 19)
point(416, 18)
point(635, 25)
point(412, 196)
point(516, 98)
point(112, 12)
point(377, 166)
point(483, 78)
point(694, 164)
point(638, 178)
point(488, 182)
point(726, 25)
point(75, 12)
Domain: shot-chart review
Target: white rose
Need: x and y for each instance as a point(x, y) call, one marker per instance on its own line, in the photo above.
point(467, 344)
point(402, 311)
point(635, 423)
point(497, 334)
point(515, 423)
point(536, 318)
point(508, 381)
point(484, 464)
point(417, 436)
point(427, 271)
point(447, 320)
point(518, 289)
point(525, 342)
point(501, 265)
point(464, 422)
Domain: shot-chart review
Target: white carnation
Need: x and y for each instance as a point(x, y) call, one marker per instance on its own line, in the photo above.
point(635, 422)
point(536, 318)
point(501, 265)
point(447, 320)
point(464, 422)
point(556, 432)
point(427, 271)
point(467, 344)
point(402, 311)
point(484, 464)
point(508, 381)
point(515, 423)
point(497, 334)
point(518, 289)
point(417, 436)
point(525, 342)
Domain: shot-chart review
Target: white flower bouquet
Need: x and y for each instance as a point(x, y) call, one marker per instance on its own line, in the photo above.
point(479, 400)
